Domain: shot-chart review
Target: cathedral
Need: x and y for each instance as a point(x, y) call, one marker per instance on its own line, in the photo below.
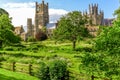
point(41, 19)
point(95, 19)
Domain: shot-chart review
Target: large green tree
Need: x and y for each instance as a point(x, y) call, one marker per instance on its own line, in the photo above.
point(6, 30)
point(105, 61)
point(106, 58)
point(71, 27)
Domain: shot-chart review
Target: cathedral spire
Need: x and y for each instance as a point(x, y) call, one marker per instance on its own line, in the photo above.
point(43, 1)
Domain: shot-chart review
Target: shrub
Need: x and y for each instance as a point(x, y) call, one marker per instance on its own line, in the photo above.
point(43, 73)
point(109, 39)
point(58, 70)
point(2, 58)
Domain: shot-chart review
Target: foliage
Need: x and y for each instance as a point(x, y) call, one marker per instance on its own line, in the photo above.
point(8, 37)
point(2, 11)
point(43, 73)
point(109, 39)
point(57, 70)
point(44, 29)
point(71, 27)
point(117, 13)
point(5, 22)
point(6, 31)
point(31, 39)
point(9, 75)
point(91, 63)
point(40, 36)
point(106, 60)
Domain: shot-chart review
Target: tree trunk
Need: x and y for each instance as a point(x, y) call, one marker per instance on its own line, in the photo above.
point(92, 77)
point(74, 45)
point(0, 43)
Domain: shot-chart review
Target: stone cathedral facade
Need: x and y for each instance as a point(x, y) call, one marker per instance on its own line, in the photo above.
point(41, 16)
point(96, 16)
point(95, 19)
point(41, 19)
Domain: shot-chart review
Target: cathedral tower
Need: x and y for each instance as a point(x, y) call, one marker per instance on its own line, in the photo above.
point(95, 16)
point(29, 27)
point(41, 15)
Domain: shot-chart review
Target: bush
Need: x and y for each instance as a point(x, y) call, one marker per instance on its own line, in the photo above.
point(43, 73)
point(109, 39)
point(56, 70)
point(2, 58)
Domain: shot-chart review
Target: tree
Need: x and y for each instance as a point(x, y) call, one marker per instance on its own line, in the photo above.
point(71, 27)
point(109, 41)
point(2, 11)
point(6, 31)
point(117, 13)
point(106, 58)
point(55, 70)
point(58, 70)
point(43, 73)
point(91, 63)
point(40, 36)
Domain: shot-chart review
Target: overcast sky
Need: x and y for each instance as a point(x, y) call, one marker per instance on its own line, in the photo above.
point(20, 10)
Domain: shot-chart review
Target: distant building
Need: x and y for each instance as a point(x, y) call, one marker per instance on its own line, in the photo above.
point(41, 16)
point(93, 30)
point(95, 19)
point(41, 20)
point(50, 28)
point(20, 32)
point(30, 28)
point(108, 22)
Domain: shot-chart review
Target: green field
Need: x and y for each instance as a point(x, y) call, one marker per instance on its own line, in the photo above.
point(9, 75)
point(36, 52)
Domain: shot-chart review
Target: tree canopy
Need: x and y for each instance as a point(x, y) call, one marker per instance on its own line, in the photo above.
point(105, 60)
point(2, 11)
point(71, 27)
point(6, 30)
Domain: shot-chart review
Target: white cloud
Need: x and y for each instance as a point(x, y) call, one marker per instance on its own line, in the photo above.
point(55, 14)
point(20, 15)
point(21, 11)
point(57, 11)
point(20, 5)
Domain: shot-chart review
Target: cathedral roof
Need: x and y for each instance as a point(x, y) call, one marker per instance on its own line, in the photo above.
point(51, 25)
point(20, 28)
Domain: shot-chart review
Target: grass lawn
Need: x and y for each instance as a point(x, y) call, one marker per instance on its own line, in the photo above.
point(46, 51)
point(9, 75)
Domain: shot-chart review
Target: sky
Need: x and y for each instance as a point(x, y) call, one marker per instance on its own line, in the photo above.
point(20, 10)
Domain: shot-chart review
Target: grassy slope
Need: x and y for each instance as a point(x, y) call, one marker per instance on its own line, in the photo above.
point(63, 50)
point(9, 75)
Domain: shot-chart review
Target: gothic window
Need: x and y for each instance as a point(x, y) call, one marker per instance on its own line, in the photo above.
point(38, 9)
